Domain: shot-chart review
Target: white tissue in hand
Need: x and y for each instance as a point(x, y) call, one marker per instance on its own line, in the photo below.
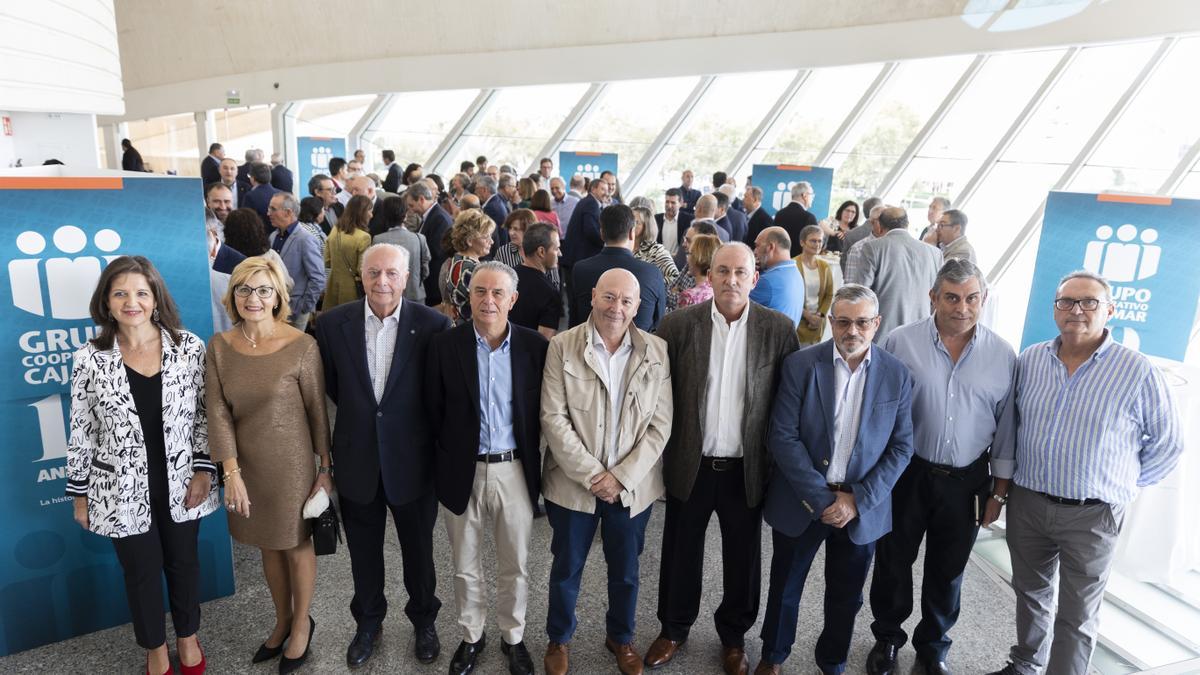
point(316, 504)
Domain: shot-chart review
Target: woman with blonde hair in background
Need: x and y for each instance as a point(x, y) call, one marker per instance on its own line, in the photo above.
point(818, 286)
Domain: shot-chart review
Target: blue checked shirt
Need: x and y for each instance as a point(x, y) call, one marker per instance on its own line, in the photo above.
point(495, 396)
point(1101, 433)
point(959, 409)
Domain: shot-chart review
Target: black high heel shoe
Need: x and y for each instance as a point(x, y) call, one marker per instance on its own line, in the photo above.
point(287, 665)
point(266, 653)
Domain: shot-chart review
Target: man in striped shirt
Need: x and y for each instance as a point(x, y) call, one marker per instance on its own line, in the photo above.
point(1096, 422)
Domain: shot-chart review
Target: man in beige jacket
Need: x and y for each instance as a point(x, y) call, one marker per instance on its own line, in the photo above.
point(606, 415)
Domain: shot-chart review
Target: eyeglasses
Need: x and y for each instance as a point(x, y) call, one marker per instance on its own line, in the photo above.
point(263, 292)
point(1086, 304)
point(861, 324)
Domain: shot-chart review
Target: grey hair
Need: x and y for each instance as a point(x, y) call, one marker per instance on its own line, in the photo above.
point(802, 188)
point(643, 202)
point(855, 293)
point(382, 246)
point(959, 271)
point(486, 181)
point(756, 191)
point(559, 179)
point(1084, 274)
point(957, 218)
point(942, 201)
point(497, 266)
point(418, 190)
point(808, 230)
point(506, 180)
point(288, 202)
point(649, 224)
point(870, 203)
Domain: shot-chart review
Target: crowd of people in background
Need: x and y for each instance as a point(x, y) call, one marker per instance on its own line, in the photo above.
point(495, 341)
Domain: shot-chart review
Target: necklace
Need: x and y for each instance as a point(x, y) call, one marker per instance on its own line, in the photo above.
point(252, 341)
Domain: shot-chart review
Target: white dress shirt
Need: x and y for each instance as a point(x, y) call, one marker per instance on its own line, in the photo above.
point(726, 387)
point(381, 344)
point(670, 235)
point(612, 374)
point(847, 412)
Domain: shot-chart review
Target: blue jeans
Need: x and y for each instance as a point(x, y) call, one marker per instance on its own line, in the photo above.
point(846, 565)
point(623, 537)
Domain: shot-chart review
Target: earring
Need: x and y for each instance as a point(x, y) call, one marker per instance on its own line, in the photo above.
point(154, 315)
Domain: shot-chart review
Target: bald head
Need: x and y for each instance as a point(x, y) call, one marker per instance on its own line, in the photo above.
point(772, 246)
point(706, 207)
point(615, 301)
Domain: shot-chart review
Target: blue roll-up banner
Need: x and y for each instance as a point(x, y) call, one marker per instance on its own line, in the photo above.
point(1149, 250)
point(586, 164)
point(776, 181)
point(59, 230)
point(313, 154)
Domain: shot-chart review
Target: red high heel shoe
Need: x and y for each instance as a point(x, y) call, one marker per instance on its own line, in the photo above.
point(197, 669)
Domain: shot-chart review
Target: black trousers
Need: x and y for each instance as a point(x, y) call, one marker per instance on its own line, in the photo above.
point(936, 505)
point(168, 547)
point(681, 575)
point(365, 524)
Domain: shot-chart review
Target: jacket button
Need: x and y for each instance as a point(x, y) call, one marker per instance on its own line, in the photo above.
point(380, 414)
point(824, 462)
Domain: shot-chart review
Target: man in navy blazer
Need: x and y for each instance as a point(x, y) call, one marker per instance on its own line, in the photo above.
point(841, 435)
point(281, 176)
point(583, 238)
point(210, 166)
point(258, 197)
point(733, 221)
point(374, 356)
point(484, 399)
point(616, 225)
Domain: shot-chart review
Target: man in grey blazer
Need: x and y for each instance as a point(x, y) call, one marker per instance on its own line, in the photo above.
point(301, 255)
point(419, 255)
point(716, 459)
point(900, 269)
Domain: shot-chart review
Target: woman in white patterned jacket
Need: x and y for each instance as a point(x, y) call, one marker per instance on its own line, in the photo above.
point(137, 459)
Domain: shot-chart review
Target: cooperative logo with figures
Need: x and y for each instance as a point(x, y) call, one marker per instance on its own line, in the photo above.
point(319, 158)
point(781, 196)
point(1125, 255)
point(589, 170)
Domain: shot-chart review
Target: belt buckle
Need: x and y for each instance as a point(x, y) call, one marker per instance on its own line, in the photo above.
point(720, 464)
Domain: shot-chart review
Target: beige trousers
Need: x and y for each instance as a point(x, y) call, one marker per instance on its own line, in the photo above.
point(499, 492)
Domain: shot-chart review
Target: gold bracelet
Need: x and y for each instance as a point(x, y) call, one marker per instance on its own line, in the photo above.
point(229, 474)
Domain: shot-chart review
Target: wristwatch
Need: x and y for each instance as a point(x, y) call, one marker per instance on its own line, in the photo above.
point(1003, 499)
point(329, 470)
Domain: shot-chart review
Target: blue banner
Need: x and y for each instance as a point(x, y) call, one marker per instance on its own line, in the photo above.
point(312, 157)
point(58, 580)
point(1147, 247)
point(776, 181)
point(586, 164)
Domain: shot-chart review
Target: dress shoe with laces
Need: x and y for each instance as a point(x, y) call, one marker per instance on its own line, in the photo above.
point(882, 658)
point(628, 661)
point(556, 661)
point(362, 646)
point(733, 661)
point(923, 667)
point(428, 647)
point(661, 652)
point(765, 668)
point(1008, 669)
point(463, 661)
point(519, 660)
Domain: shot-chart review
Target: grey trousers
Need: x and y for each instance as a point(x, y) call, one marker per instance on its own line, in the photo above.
point(1059, 553)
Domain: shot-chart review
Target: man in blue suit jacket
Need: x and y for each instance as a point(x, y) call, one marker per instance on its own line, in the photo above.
point(841, 435)
point(583, 238)
point(374, 356)
point(281, 176)
point(301, 255)
point(616, 225)
point(258, 197)
point(733, 221)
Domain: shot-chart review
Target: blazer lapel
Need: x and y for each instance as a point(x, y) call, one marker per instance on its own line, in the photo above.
point(121, 394)
point(699, 358)
point(470, 368)
point(827, 389)
point(355, 332)
point(406, 335)
point(870, 394)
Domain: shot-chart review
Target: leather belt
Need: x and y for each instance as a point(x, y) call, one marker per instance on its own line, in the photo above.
point(721, 463)
point(1091, 501)
point(839, 487)
point(493, 458)
point(948, 470)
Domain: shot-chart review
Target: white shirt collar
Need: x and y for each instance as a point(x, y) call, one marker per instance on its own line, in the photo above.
point(395, 315)
point(739, 322)
point(598, 341)
point(837, 357)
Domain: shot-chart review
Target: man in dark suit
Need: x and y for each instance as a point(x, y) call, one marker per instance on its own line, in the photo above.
point(361, 185)
point(496, 208)
point(840, 436)
point(734, 222)
point(227, 171)
point(252, 155)
point(484, 396)
point(261, 191)
point(210, 166)
point(374, 355)
point(673, 222)
point(795, 216)
point(690, 194)
point(435, 223)
point(281, 176)
point(392, 182)
point(716, 458)
point(757, 217)
point(583, 238)
point(616, 227)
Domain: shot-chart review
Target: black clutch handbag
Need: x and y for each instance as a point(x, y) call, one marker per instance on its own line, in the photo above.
point(326, 532)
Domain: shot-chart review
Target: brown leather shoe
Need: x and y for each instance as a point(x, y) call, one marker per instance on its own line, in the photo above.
point(555, 662)
point(628, 661)
point(765, 668)
point(661, 652)
point(733, 661)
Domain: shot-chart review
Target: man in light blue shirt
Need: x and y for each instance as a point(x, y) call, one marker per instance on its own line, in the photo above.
point(564, 203)
point(1096, 422)
point(780, 285)
point(962, 406)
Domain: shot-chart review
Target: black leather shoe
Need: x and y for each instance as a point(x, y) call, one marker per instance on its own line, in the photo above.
point(362, 646)
point(882, 658)
point(931, 667)
point(266, 653)
point(519, 661)
point(427, 647)
point(287, 665)
point(1008, 669)
point(463, 661)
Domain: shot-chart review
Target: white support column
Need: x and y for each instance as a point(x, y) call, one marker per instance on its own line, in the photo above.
point(964, 196)
point(579, 115)
point(360, 132)
point(676, 125)
point(768, 129)
point(918, 142)
point(856, 113)
point(113, 133)
point(1182, 169)
point(283, 132)
point(1081, 159)
point(467, 122)
point(206, 132)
